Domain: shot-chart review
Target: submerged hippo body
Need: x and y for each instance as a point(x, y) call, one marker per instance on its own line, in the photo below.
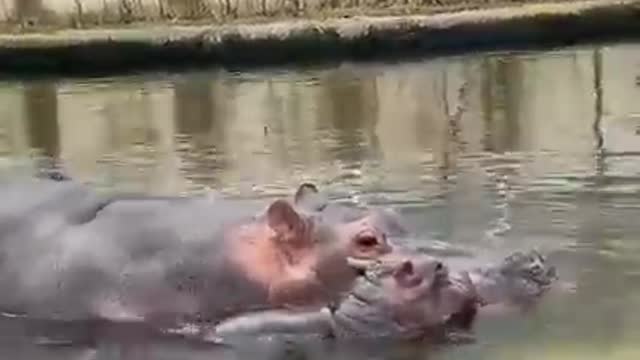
point(44, 206)
point(174, 259)
point(411, 298)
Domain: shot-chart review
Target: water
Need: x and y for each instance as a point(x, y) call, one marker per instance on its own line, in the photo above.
point(491, 152)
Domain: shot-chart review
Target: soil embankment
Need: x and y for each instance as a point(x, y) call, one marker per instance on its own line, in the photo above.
point(100, 49)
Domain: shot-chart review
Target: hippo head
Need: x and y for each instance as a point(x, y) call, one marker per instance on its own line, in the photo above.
point(362, 233)
point(359, 240)
point(306, 259)
point(400, 298)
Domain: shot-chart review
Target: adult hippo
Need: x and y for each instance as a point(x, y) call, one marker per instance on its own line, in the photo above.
point(321, 273)
point(403, 297)
point(163, 260)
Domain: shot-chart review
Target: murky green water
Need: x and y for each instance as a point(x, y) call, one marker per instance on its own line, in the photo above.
point(491, 152)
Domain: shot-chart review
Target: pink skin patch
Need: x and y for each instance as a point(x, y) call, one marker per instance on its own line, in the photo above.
point(279, 255)
point(282, 255)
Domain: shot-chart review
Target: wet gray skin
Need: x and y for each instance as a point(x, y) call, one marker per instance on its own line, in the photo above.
point(29, 202)
point(130, 251)
point(397, 300)
point(405, 298)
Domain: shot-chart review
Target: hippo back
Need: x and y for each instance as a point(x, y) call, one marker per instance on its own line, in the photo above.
point(157, 255)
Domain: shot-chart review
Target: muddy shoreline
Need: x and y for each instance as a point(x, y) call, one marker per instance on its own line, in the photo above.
point(105, 51)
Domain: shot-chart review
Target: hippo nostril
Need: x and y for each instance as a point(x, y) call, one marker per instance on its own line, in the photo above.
point(439, 266)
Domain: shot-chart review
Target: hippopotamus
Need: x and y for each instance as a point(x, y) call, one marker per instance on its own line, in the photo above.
point(367, 232)
point(69, 254)
point(401, 297)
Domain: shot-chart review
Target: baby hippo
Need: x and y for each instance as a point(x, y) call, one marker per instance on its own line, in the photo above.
point(403, 297)
point(399, 299)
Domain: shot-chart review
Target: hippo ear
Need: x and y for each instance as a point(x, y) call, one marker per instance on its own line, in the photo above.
point(304, 190)
point(282, 217)
point(309, 198)
point(405, 274)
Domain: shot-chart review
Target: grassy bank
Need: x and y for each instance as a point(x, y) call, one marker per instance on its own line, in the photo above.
point(100, 49)
point(43, 15)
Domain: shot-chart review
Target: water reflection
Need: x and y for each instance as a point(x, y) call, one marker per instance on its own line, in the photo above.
point(41, 116)
point(199, 119)
point(502, 80)
point(494, 152)
point(27, 8)
point(349, 106)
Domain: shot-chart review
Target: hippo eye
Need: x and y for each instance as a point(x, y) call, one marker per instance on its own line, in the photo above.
point(367, 241)
point(439, 266)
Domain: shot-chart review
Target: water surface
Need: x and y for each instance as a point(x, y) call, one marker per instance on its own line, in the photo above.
point(490, 152)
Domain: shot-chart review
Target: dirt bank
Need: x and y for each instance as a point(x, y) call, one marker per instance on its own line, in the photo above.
point(363, 37)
